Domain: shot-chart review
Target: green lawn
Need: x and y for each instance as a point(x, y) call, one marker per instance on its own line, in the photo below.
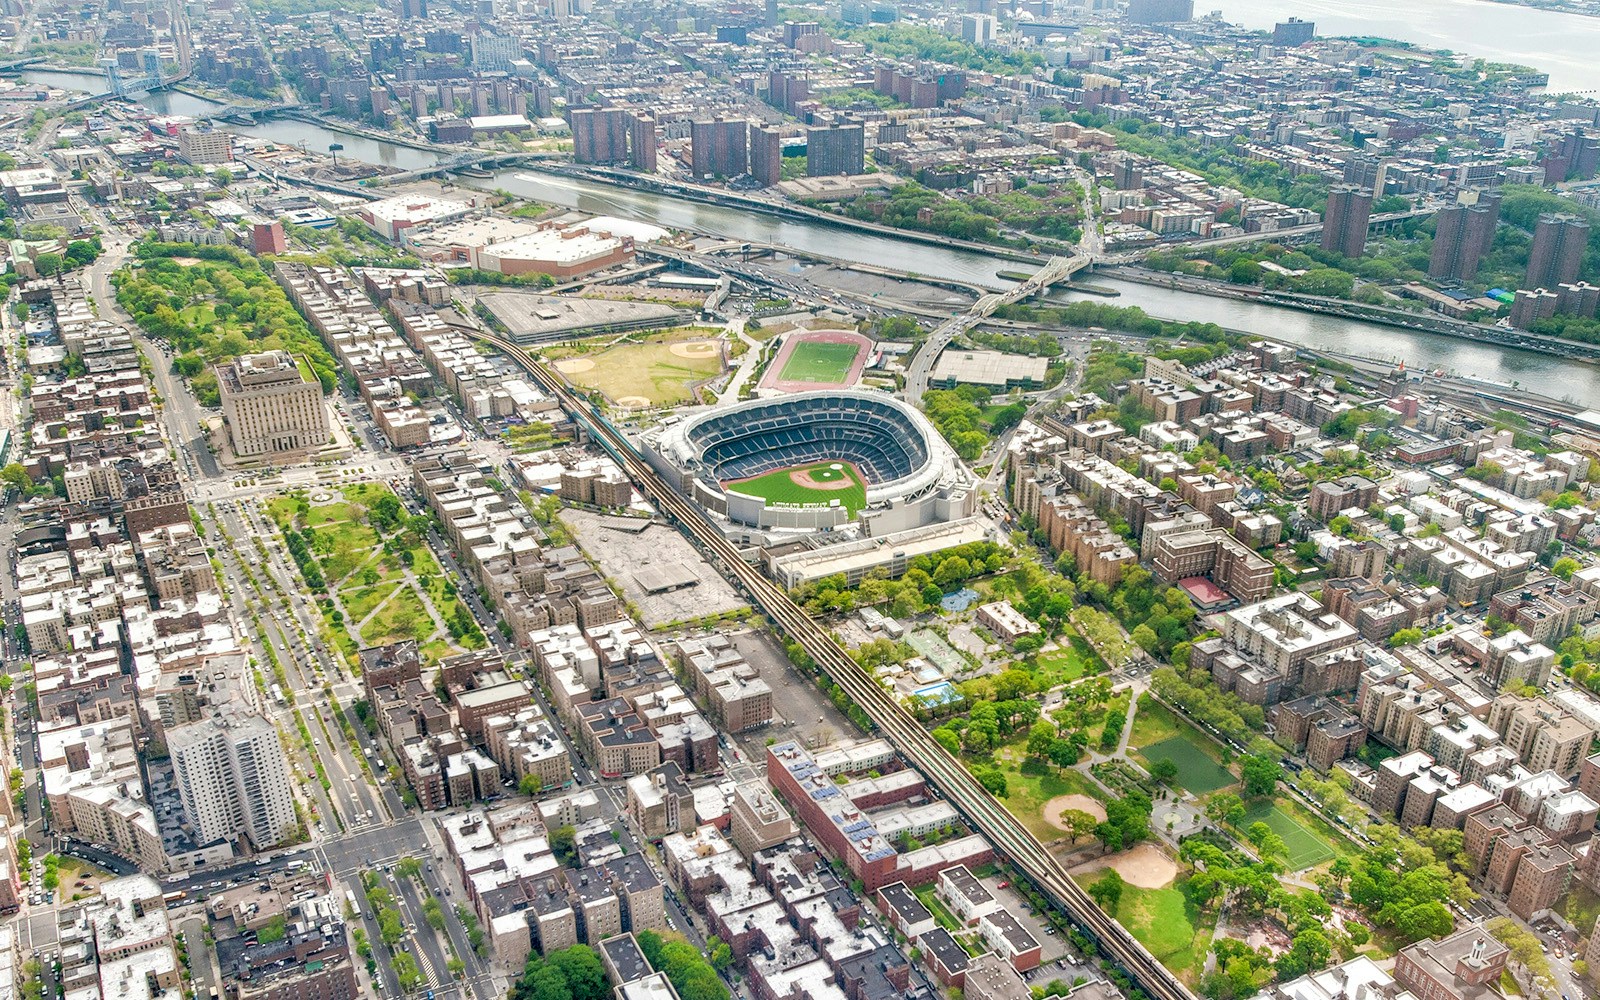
point(360, 601)
point(1197, 772)
point(1153, 723)
point(370, 581)
point(819, 361)
point(778, 487)
point(927, 894)
point(1166, 921)
point(1030, 784)
point(1306, 848)
point(403, 617)
point(1058, 666)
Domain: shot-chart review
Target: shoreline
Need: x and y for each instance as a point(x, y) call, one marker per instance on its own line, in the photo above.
point(1421, 322)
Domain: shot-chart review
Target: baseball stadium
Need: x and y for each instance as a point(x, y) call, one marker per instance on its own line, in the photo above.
point(815, 460)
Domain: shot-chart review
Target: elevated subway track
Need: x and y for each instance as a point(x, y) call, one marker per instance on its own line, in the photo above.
point(1009, 837)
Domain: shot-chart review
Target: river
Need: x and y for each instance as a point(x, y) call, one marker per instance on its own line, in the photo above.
point(1549, 41)
point(1547, 375)
point(1541, 373)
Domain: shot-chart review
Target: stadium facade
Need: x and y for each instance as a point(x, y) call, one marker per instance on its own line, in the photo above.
point(912, 476)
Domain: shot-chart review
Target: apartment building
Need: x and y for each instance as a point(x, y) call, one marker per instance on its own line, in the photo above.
point(233, 778)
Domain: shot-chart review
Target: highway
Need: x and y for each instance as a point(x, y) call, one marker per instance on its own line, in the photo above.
point(1011, 840)
point(921, 364)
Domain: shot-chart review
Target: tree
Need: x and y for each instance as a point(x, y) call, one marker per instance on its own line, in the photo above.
point(994, 780)
point(545, 983)
point(1164, 770)
point(580, 966)
point(1565, 567)
point(1261, 775)
point(1041, 737)
point(530, 785)
point(1405, 637)
point(1107, 890)
point(1145, 637)
point(1266, 841)
point(16, 477)
point(273, 930)
point(948, 739)
point(1065, 753)
point(408, 867)
point(564, 845)
point(48, 264)
point(1077, 823)
point(1225, 808)
point(720, 954)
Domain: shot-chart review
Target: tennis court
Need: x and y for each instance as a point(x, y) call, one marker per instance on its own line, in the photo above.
point(1305, 848)
point(1197, 772)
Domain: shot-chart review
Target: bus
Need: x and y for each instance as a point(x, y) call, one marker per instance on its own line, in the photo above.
point(174, 898)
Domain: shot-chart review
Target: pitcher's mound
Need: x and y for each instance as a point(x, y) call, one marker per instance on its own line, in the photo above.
point(1061, 803)
point(633, 402)
point(572, 366)
point(1144, 866)
point(696, 349)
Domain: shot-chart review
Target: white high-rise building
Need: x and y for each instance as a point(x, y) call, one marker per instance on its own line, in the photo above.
point(233, 778)
point(979, 29)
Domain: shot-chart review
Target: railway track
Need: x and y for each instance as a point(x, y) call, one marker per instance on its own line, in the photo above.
point(1010, 838)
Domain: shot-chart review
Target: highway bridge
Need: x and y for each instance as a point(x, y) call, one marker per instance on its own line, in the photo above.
point(921, 364)
point(1011, 839)
point(471, 158)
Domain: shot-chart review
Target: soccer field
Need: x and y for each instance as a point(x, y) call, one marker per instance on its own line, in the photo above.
point(819, 361)
point(780, 486)
point(1197, 772)
point(1305, 848)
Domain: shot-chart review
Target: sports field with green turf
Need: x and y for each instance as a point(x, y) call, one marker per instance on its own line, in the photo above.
point(819, 361)
point(780, 487)
point(1305, 847)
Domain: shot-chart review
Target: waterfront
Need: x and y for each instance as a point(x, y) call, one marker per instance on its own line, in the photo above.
point(1542, 373)
point(1551, 42)
point(1558, 378)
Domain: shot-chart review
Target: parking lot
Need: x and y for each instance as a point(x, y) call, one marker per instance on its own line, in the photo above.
point(624, 553)
point(800, 710)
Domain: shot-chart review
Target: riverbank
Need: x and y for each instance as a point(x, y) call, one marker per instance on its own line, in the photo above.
point(781, 209)
point(1433, 323)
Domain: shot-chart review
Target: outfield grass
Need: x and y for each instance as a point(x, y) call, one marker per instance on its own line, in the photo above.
point(819, 361)
point(1167, 922)
point(1197, 772)
point(1306, 848)
point(646, 370)
point(778, 487)
point(1030, 784)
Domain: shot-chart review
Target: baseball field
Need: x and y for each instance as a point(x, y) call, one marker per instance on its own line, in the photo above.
point(816, 484)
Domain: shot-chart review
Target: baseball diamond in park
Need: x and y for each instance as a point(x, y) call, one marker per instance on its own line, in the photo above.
point(808, 460)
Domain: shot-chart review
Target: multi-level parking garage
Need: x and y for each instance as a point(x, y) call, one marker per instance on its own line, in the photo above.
point(911, 475)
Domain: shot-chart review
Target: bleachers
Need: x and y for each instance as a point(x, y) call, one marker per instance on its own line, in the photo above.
point(873, 435)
